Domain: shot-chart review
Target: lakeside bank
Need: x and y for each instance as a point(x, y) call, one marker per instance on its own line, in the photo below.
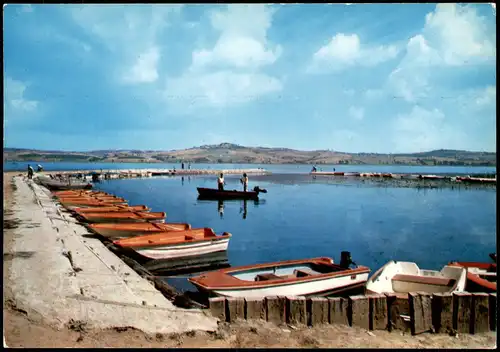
point(25, 206)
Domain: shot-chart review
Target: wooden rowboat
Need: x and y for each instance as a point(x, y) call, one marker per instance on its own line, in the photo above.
point(123, 217)
point(210, 193)
point(179, 244)
point(306, 277)
point(91, 202)
point(405, 277)
point(79, 193)
point(481, 277)
point(141, 208)
point(135, 229)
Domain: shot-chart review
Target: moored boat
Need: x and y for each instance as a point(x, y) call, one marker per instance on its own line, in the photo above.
point(211, 193)
point(119, 208)
point(123, 217)
point(79, 193)
point(90, 201)
point(306, 277)
point(481, 277)
point(178, 244)
point(405, 277)
point(55, 185)
point(134, 229)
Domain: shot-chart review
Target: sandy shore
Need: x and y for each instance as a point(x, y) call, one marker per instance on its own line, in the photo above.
point(25, 327)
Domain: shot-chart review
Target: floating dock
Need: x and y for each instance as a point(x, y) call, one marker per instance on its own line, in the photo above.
point(463, 179)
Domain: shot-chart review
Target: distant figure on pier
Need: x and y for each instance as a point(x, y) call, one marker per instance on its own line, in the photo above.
point(220, 182)
point(182, 166)
point(30, 172)
point(244, 182)
point(333, 169)
point(314, 169)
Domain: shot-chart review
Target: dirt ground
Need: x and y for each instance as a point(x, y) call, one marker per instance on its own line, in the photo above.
point(23, 329)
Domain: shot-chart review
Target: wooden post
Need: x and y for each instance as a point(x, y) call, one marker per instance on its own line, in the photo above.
point(218, 307)
point(338, 310)
point(319, 311)
point(480, 313)
point(397, 305)
point(442, 312)
point(235, 308)
point(296, 310)
point(255, 309)
point(420, 312)
point(462, 304)
point(359, 311)
point(275, 309)
point(378, 312)
point(493, 311)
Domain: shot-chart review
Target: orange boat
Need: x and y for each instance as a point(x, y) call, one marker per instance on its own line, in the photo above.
point(481, 277)
point(92, 201)
point(123, 216)
point(141, 208)
point(134, 229)
point(179, 244)
point(80, 193)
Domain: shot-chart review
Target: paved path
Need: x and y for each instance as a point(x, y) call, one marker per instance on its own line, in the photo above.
point(95, 286)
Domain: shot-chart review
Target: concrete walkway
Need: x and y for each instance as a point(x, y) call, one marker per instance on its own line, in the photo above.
point(63, 276)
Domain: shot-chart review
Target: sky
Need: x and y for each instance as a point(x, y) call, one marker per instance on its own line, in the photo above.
point(380, 78)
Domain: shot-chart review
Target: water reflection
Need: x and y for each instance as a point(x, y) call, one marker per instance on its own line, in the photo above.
point(221, 204)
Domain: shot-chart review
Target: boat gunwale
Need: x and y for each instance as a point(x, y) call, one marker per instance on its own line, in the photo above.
point(216, 238)
point(125, 215)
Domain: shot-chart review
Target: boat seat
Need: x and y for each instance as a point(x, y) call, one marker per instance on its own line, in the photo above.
point(265, 277)
point(430, 280)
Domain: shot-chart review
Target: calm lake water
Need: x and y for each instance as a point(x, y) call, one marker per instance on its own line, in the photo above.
point(301, 217)
point(310, 219)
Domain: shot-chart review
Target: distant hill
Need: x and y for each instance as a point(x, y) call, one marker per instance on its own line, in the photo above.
point(233, 153)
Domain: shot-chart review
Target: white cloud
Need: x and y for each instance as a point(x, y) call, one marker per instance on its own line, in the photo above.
point(243, 38)
point(487, 97)
point(453, 35)
point(145, 68)
point(130, 33)
point(424, 130)
point(220, 88)
point(356, 113)
point(228, 74)
point(345, 50)
point(14, 98)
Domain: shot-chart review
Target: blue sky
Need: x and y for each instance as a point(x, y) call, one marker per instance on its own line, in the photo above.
point(357, 78)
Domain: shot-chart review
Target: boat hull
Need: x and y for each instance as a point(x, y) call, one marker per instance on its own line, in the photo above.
point(209, 193)
point(107, 220)
point(181, 250)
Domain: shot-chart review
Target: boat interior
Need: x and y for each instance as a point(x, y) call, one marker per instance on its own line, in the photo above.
point(286, 272)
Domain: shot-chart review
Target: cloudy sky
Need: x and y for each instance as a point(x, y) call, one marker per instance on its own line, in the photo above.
point(355, 78)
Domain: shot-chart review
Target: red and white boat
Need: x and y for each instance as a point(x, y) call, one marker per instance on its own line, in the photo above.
point(481, 277)
point(135, 229)
point(179, 244)
point(306, 277)
point(123, 217)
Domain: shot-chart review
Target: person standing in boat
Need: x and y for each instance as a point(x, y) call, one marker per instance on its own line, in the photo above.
point(220, 182)
point(244, 182)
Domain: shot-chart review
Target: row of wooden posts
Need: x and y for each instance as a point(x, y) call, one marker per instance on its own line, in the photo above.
point(460, 312)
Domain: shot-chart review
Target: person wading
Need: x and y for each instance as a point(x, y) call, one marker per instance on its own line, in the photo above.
point(220, 182)
point(244, 182)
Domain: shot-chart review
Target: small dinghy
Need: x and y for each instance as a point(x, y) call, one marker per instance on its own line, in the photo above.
point(122, 217)
point(119, 208)
point(135, 229)
point(215, 194)
point(168, 245)
point(60, 194)
point(404, 277)
point(306, 277)
point(55, 185)
point(481, 277)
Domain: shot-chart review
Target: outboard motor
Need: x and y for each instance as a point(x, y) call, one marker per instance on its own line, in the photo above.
point(259, 190)
point(345, 259)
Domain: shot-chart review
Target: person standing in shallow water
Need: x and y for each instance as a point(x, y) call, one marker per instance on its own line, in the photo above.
point(244, 182)
point(220, 182)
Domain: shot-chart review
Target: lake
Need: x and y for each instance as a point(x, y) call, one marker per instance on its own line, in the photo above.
point(311, 218)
